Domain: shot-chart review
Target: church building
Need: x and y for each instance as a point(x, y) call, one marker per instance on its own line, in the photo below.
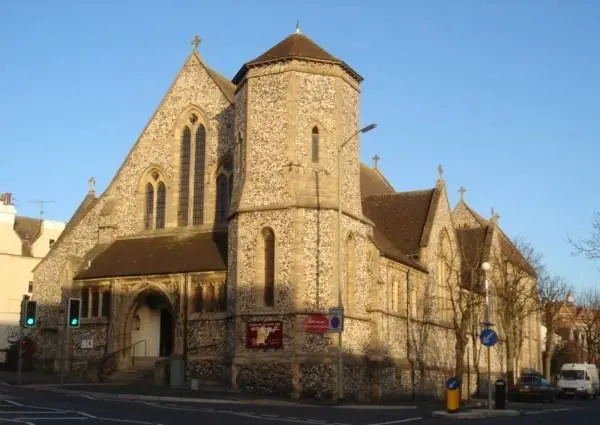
point(218, 240)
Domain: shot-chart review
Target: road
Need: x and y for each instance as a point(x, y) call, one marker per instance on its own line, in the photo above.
point(34, 407)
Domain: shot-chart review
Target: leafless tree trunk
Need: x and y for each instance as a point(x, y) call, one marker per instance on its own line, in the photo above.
point(589, 317)
point(553, 292)
point(516, 268)
point(589, 247)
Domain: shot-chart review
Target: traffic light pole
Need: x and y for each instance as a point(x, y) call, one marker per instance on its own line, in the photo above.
point(20, 355)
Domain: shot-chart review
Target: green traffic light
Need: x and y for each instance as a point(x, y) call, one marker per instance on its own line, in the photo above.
point(30, 321)
point(74, 321)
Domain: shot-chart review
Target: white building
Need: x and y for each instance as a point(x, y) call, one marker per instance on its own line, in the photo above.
point(24, 242)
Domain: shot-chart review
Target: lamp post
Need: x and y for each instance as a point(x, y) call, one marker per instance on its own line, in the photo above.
point(486, 267)
point(340, 365)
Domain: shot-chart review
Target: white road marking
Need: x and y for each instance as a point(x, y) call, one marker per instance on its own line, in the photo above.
point(86, 415)
point(69, 418)
point(399, 421)
point(374, 407)
point(14, 403)
point(89, 397)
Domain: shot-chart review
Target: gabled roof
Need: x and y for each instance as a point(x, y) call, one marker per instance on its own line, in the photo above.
point(163, 254)
point(295, 46)
point(373, 183)
point(403, 217)
point(28, 230)
point(389, 250)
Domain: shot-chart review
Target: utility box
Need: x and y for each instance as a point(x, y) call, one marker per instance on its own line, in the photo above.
point(500, 393)
point(176, 371)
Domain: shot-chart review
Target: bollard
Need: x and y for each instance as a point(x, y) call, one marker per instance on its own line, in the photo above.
point(452, 395)
point(500, 392)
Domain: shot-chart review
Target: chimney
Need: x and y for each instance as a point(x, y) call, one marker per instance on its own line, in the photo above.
point(6, 198)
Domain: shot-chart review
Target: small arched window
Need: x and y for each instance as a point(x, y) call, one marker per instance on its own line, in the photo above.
point(149, 209)
point(315, 144)
point(198, 299)
point(222, 199)
point(184, 177)
point(269, 267)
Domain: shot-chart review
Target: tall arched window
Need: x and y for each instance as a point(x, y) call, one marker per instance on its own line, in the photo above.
point(269, 267)
point(315, 144)
point(184, 180)
point(155, 200)
point(350, 272)
point(193, 158)
point(149, 209)
point(444, 278)
point(161, 198)
point(222, 199)
point(200, 153)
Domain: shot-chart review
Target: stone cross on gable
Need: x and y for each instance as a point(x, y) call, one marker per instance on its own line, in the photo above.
point(298, 27)
point(196, 42)
point(462, 191)
point(440, 170)
point(92, 182)
point(376, 159)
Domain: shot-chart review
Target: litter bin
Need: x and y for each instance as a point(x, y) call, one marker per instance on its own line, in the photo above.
point(452, 394)
point(500, 393)
point(176, 371)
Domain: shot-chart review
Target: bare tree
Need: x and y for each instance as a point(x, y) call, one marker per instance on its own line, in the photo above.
point(553, 292)
point(589, 319)
point(589, 247)
point(515, 269)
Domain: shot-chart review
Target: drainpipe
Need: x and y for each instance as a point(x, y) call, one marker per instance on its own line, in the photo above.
point(185, 321)
point(408, 345)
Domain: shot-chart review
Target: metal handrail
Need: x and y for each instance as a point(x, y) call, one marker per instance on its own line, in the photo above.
point(107, 363)
point(132, 346)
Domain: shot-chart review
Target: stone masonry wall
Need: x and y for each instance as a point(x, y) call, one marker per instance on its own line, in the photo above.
point(156, 146)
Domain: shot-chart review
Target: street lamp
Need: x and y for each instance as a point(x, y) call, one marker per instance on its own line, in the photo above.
point(340, 366)
point(486, 267)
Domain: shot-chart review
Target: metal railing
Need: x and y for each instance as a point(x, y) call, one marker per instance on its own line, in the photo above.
point(108, 363)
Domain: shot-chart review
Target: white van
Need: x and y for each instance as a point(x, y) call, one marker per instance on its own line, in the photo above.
point(579, 380)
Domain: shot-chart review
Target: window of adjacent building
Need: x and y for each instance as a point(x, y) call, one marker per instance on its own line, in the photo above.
point(210, 297)
point(192, 170)
point(315, 144)
point(95, 302)
point(269, 267)
point(155, 202)
point(30, 287)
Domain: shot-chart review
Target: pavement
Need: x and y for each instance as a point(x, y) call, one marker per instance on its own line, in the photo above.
point(36, 405)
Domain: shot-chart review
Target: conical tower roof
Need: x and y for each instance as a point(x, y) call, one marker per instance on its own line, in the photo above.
point(295, 46)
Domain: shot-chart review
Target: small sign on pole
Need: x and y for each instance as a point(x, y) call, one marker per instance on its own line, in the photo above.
point(336, 319)
point(488, 337)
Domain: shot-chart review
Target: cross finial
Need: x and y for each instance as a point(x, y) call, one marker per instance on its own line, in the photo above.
point(462, 191)
point(298, 27)
point(440, 170)
point(92, 183)
point(376, 159)
point(196, 42)
point(493, 212)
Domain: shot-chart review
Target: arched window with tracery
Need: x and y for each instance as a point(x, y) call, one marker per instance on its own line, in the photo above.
point(192, 172)
point(269, 266)
point(155, 200)
point(222, 199)
point(315, 144)
point(444, 278)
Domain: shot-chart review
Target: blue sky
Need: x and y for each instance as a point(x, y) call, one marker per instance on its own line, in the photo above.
point(504, 95)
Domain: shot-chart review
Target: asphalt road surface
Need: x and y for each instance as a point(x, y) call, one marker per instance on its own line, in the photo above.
point(33, 407)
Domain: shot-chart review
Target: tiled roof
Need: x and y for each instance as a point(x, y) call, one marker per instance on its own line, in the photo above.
point(389, 250)
point(296, 46)
point(28, 230)
point(373, 183)
point(226, 86)
point(401, 217)
point(164, 254)
point(474, 244)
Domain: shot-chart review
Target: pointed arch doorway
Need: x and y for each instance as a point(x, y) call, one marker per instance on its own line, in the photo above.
point(151, 326)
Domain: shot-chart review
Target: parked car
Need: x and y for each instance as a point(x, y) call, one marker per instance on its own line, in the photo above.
point(531, 387)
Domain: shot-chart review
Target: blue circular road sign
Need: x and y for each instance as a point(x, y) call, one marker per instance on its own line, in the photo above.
point(452, 383)
point(488, 337)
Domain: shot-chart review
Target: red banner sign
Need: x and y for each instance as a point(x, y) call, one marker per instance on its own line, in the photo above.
point(317, 324)
point(264, 334)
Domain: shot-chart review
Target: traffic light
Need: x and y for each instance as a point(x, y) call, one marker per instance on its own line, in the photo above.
point(30, 319)
point(74, 312)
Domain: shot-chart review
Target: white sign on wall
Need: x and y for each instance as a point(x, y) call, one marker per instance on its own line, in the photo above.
point(87, 343)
